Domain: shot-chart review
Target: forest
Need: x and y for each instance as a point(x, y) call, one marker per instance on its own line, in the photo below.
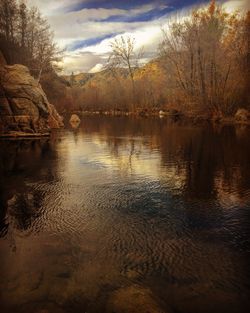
point(201, 66)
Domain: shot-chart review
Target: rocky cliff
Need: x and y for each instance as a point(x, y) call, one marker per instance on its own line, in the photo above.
point(24, 107)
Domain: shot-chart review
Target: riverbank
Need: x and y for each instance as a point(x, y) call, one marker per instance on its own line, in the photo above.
point(240, 118)
point(174, 116)
point(23, 135)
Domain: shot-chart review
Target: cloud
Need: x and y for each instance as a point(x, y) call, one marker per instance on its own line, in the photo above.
point(232, 5)
point(78, 62)
point(85, 28)
point(50, 8)
point(97, 68)
point(89, 23)
point(87, 42)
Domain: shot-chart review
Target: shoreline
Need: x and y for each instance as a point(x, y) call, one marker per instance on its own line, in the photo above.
point(20, 135)
point(192, 120)
point(178, 116)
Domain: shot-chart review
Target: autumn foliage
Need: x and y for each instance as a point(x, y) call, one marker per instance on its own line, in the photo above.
point(201, 65)
point(202, 68)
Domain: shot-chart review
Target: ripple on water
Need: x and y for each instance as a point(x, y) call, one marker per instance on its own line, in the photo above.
point(107, 213)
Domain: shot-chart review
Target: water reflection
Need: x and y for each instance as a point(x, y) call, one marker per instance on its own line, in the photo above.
point(21, 163)
point(119, 209)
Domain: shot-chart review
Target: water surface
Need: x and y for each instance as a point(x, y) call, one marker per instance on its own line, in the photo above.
point(124, 215)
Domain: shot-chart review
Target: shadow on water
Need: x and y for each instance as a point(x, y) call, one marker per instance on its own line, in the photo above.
point(126, 215)
point(22, 161)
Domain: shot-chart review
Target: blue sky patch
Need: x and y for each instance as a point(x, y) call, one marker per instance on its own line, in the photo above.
point(88, 42)
point(130, 4)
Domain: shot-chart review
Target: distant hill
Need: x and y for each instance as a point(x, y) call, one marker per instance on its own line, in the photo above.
point(86, 79)
point(78, 79)
point(153, 70)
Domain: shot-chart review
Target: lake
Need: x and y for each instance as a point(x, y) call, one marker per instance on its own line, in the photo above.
point(126, 215)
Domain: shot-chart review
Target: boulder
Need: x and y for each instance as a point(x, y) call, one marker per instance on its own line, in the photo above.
point(24, 106)
point(74, 120)
point(171, 112)
point(162, 113)
point(242, 115)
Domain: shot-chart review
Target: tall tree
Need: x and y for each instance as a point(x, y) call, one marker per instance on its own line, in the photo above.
point(123, 55)
point(22, 23)
point(200, 51)
point(7, 18)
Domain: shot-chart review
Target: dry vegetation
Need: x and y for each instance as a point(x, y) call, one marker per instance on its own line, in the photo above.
point(202, 68)
point(202, 65)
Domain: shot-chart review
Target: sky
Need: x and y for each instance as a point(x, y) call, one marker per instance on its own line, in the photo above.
point(85, 28)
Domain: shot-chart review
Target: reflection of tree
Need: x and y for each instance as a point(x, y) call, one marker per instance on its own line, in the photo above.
point(199, 167)
point(216, 153)
point(202, 163)
point(23, 162)
point(198, 153)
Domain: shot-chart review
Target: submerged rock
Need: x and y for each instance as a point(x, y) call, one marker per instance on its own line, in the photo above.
point(24, 107)
point(133, 299)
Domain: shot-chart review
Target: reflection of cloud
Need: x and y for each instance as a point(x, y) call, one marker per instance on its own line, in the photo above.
point(129, 157)
point(88, 27)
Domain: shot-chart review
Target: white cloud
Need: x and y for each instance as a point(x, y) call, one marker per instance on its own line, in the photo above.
point(80, 62)
point(87, 23)
point(71, 27)
point(97, 68)
point(49, 8)
point(147, 36)
point(241, 5)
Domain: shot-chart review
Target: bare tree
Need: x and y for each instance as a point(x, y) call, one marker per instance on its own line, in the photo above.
point(8, 10)
point(22, 23)
point(123, 55)
point(200, 52)
point(27, 38)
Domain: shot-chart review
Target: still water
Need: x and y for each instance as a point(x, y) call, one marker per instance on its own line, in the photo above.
point(126, 215)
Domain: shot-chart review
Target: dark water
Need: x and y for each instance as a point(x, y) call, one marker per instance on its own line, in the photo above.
point(126, 215)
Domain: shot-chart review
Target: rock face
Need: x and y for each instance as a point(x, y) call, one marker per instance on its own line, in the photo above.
point(242, 115)
point(24, 107)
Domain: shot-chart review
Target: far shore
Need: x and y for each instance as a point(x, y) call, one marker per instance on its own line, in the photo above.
point(17, 134)
point(171, 114)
